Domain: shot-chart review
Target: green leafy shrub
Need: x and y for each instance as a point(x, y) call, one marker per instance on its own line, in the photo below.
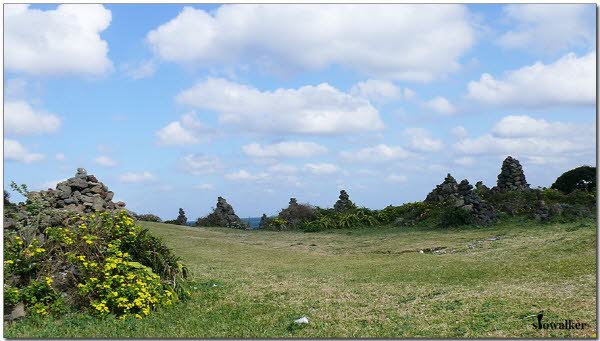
point(582, 178)
point(149, 217)
point(100, 263)
point(455, 216)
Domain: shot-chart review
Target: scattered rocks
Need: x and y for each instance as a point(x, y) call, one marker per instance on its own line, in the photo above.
point(511, 177)
point(17, 312)
point(344, 203)
point(223, 216)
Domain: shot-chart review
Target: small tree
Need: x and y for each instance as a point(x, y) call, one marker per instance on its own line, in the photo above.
point(181, 219)
point(583, 178)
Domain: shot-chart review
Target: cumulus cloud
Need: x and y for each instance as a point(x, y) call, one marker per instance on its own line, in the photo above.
point(282, 169)
point(440, 105)
point(187, 130)
point(408, 42)
point(321, 168)
point(198, 164)
point(241, 175)
point(65, 40)
point(320, 109)
point(133, 177)
point(380, 91)
point(205, 187)
point(543, 140)
point(139, 70)
point(15, 151)
point(298, 149)
point(526, 126)
point(465, 161)
point(421, 140)
point(105, 161)
point(459, 132)
point(21, 119)
point(549, 27)
point(570, 80)
point(378, 153)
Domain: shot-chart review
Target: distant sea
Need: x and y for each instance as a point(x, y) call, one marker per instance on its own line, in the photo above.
point(254, 222)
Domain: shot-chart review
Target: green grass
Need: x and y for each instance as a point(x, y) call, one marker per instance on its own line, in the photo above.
point(366, 283)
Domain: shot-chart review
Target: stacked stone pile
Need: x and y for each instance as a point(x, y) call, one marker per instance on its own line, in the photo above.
point(482, 212)
point(223, 216)
point(81, 193)
point(344, 203)
point(447, 190)
point(462, 196)
point(511, 177)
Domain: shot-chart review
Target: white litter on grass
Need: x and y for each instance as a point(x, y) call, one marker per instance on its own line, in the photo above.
point(302, 320)
point(214, 285)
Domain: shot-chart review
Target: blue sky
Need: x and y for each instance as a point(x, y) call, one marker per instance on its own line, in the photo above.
point(174, 105)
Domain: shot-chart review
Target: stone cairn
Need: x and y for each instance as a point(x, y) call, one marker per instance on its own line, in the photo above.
point(447, 190)
point(344, 203)
point(181, 218)
point(222, 216)
point(264, 221)
point(461, 195)
point(511, 177)
point(81, 193)
point(483, 212)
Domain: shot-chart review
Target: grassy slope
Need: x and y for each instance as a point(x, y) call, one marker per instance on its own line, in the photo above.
point(366, 283)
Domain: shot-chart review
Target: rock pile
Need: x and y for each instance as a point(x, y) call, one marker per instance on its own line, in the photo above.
point(223, 216)
point(462, 195)
point(81, 193)
point(447, 190)
point(264, 221)
point(181, 218)
point(511, 177)
point(482, 212)
point(344, 203)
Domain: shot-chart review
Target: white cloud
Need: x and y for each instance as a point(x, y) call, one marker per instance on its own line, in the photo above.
point(282, 169)
point(549, 27)
point(465, 161)
point(131, 177)
point(408, 42)
point(188, 130)
point(21, 119)
point(139, 70)
point(378, 153)
point(60, 157)
point(15, 151)
point(440, 105)
point(198, 164)
point(459, 132)
point(241, 175)
point(379, 91)
point(421, 140)
point(205, 187)
point(570, 80)
point(320, 109)
point(298, 149)
point(525, 126)
point(396, 178)
point(560, 140)
point(321, 168)
point(61, 41)
point(105, 161)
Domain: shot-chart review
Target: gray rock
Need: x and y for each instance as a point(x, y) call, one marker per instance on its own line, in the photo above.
point(17, 312)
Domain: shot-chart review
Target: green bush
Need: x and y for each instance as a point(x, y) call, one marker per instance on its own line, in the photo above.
point(583, 178)
point(100, 263)
point(455, 216)
point(149, 217)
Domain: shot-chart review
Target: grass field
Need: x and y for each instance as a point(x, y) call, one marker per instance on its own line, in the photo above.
point(366, 283)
